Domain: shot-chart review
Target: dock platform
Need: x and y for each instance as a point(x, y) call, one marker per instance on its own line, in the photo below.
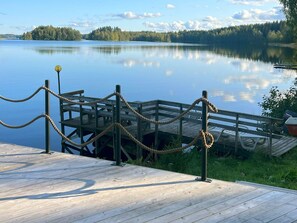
point(38, 187)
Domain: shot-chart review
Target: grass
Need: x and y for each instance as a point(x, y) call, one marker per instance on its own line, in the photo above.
point(257, 168)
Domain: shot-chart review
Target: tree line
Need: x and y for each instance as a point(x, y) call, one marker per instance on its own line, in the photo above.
point(273, 32)
point(52, 33)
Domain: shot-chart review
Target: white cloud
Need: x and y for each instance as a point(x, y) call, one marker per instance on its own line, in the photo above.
point(24, 28)
point(170, 6)
point(252, 2)
point(207, 23)
point(82, 24)
point(132, 15)
point(258, 15)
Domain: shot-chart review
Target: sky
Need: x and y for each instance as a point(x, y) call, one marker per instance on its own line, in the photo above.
point(19, 16)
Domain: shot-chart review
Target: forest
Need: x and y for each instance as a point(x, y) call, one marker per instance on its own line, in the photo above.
point(273, 32)
point(52, 33)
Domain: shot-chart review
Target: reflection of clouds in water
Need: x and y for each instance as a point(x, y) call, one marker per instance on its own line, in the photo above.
point(226, 96)
point(250, 81)
point(193, 55)
point(229, 98)
point(247, 96)
point(168, 73)
point(210, 58)
point(178, 55)
point(247, 66)
point(132, 63)
point(207, 57)
point(288, 74)
point(129, 63)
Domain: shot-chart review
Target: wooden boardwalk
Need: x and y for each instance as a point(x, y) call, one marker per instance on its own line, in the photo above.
point(36, 187)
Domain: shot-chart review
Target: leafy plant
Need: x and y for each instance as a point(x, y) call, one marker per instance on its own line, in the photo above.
point(277, 102)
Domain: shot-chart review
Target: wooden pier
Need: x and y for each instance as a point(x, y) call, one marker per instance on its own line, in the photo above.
point(39, 187)
point(232, 129)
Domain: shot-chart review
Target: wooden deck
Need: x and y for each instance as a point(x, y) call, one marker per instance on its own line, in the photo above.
point(231, 129)
point(36, 187)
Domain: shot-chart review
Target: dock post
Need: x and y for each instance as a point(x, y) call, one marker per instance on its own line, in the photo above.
point(139, 133)
point(118, 131)
point(47, 112)
point(204, 128)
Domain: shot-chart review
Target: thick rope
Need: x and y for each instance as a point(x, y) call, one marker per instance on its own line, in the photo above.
point(23, 125)
point(73, 143)
point(21, 100)
point(205, 136)
point(76, 102)
point(210, 106)
point(58, 130)
point(174, 150)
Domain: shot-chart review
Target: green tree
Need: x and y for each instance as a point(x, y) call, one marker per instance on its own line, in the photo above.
point(27, 36)
point(290, 9)
point(53, 33)
point(277, 102)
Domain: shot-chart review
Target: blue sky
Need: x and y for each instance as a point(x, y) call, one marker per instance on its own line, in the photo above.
point(19, 16)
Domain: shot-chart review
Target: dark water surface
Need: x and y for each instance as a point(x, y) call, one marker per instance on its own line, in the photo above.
point(236, 78)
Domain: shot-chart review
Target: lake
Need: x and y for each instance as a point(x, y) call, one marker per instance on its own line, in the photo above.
point(236, 78)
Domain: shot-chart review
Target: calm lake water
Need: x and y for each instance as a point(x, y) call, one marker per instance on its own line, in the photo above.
point(236, 78)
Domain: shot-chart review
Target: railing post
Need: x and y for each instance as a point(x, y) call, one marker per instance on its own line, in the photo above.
point(156, 125)
point(118, 131)
point(139, 133)
point(47, 112)
point(181, 123)
point(270, 137)
point(236, 133)
point(204, 128)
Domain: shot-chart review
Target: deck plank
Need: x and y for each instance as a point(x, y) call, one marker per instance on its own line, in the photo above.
point(37, 187)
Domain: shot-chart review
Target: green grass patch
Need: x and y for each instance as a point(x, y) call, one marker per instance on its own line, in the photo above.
point(257, 168)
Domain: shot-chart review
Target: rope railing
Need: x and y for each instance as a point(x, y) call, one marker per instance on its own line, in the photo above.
point(78, 102)
point(207, 138)
point(197, 101)
point(22, 100)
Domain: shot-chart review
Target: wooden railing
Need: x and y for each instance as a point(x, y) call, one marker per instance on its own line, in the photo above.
point(238, 123)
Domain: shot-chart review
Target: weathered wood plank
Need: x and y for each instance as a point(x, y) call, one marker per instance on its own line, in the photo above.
point(90, 190)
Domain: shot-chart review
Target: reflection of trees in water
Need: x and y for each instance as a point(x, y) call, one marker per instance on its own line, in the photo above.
point(57, 50)
point(269, 54)
point(108, 49)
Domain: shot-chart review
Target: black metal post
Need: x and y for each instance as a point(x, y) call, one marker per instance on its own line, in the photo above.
point(47, 124)
point(204, 128)
point(139, 133)
point(59, 83)
point(118, 131)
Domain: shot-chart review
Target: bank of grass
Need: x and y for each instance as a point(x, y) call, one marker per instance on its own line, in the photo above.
point(257, 168)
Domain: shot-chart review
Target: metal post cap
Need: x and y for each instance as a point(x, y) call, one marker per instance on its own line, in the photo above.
point(58, 68)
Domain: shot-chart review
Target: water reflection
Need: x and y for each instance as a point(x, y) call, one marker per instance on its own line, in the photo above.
point(236, 78)
point(268, 54)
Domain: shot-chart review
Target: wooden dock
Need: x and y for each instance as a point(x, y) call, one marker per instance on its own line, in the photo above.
point(37, 187)
point(238, 131)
